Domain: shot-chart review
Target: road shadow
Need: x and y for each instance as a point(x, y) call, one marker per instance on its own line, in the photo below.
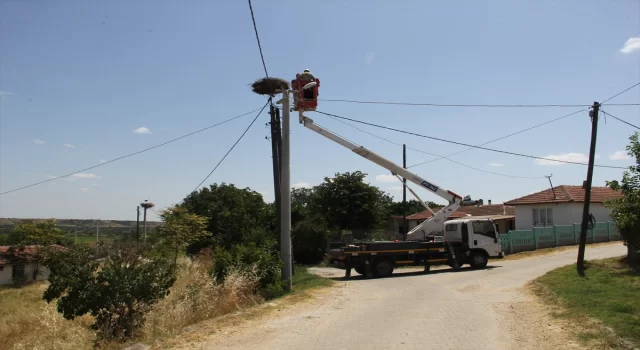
point(399, 274)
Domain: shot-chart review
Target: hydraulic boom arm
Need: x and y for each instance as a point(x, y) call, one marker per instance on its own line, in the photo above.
point(433, 224)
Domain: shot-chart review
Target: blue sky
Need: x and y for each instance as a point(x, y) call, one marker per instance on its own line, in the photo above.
point(78, 77)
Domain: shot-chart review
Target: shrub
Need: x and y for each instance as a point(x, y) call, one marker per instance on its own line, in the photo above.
point(117, 293)
point(246, 257)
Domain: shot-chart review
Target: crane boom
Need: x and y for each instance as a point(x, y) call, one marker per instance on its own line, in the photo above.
point(433, 224)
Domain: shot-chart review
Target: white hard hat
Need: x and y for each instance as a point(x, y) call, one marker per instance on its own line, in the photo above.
point(306, 70)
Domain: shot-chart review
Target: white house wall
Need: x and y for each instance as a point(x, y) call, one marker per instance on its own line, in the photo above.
point(6, 273)
point(563, 214)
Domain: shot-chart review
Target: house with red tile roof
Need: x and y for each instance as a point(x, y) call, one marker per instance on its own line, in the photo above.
point(19, 264)
point(560, 205)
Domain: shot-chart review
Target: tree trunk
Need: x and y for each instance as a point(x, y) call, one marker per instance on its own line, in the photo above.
point(632, 256)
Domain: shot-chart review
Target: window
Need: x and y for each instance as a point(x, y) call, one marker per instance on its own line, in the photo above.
point(484, 228)
point(542, 216)
point(18, 271)
point(451, 227)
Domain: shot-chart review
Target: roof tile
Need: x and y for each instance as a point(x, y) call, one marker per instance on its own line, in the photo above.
point(566, 194)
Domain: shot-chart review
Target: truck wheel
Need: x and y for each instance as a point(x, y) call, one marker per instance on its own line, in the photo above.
point(383, 268)
point(478, 260)
point(359, 270)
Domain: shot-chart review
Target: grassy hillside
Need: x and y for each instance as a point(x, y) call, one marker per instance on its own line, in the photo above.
point(85, 229)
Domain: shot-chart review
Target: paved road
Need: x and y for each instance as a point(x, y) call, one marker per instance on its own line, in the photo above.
point(470, 309)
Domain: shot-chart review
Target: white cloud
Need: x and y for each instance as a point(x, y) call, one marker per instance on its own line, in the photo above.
point(84, 189)
point(86, 176)
point(567, 157)
point(619, 155)
point(369, 57)
point(38, 141)
point(496, 164)
point(94, 185)
point(387, 178)
point(142, 130)
point(631, 45)
point(50, 177)
point(102, 161)
point(396, 188)
point(68, 145)
point(302, 185)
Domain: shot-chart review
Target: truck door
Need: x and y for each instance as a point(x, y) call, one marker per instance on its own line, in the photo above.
point(484, 236)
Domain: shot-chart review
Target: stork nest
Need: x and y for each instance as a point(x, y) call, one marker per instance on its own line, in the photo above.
point(269, 86)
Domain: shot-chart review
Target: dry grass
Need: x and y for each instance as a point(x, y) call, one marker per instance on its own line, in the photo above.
point(28, 322)
point(196, 296)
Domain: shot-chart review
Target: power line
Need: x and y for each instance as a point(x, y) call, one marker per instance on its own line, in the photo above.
point(436, 155)
point(619, 119)
point(469, 105)
point(504, 137)
point(465, 144)
point(620, 93)
point(232, 147)
point(132, 154)
point(255, 29)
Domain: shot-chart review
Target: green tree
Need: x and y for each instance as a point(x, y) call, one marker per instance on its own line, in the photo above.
point(234, 215)
point(625, 211)
point(413, 206)
point(42, 235)
point(117, 293)
point(348, 203)
point(181, 228)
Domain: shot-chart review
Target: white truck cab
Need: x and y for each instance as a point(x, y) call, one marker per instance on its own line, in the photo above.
point(478, 234)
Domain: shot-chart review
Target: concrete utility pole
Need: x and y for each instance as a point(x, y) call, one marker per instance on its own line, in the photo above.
point(276, 142)
point(138, 223)
point(285, 193)
point(97, 231)
point(405, 223)
point(587, 188)
point(146, 205)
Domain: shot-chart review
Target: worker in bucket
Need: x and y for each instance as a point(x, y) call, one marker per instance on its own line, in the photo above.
point(306, 75)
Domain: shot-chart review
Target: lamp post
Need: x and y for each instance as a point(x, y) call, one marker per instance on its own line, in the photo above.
point(146, 205)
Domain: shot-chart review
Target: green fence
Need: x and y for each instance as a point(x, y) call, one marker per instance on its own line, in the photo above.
point(556, 236)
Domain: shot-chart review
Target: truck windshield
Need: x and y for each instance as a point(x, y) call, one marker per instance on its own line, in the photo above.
point(484, 228)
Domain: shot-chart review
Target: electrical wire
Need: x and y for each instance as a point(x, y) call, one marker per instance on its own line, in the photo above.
point(232, 147)
point(435, 155)
point(467, 105)
point(255, 29)
point(504, 137)
point(619, 119)
point(133, 154)
point(620, 93)
point(466, 144)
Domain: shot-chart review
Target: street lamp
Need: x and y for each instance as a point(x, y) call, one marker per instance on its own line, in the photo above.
point(146, 205)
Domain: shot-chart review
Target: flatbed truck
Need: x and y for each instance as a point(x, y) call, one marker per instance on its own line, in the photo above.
point(464, 241)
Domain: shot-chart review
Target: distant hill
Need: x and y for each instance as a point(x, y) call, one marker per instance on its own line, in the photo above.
point(85, 226)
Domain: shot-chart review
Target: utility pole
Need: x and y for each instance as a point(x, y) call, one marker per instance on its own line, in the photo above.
point(276, 140)
point(550, 184)
point(285, 194)
point(587, 188)
point(146, 205)
point(405, 223)
point(97, 232)
point(138, 223)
